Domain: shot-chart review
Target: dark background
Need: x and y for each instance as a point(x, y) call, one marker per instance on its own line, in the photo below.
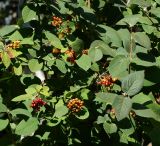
point(8, 12)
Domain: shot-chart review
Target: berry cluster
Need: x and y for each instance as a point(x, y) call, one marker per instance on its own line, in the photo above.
point(57, 21)
point(71, 55)
point(14, 45)
point(56, 51)
point(37, 103)
point(75, 105)
point(156, 95)
point(106, 79)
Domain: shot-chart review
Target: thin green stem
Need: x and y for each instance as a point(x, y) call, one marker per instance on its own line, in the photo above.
point(147, 14)
point(40, 25)
point(130, 51)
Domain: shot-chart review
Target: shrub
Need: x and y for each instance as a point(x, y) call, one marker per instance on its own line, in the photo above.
point(81, 73)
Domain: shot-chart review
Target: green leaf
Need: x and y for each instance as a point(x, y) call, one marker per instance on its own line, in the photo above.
point(29, 14)
point(27, 128)
point(28, 41)
point(149, 29)
point(3, 108)
point(18, 70)
point(109, 128)
point(20, 111)
point(100, 120)
point(124, 138)
point(45, 91)
point(106, 50)
point(84, 114)
point(3, 124)
point(61, 65)
point(133, 83)
point(5, 30)
point(95, 54)
point(107, 98)
point(60, 109)
point(147, 113)
point(142, 39)
point(158, 1)
point(54, 40)
point(34, 65)
point(84, 62)
point(22, 97)
point(53, 122)
point(141, 3)
point(112, 35)
point(131, 20)
point(16, 36)
point(6, 59)
point(141, 99)
point(143, 62)
point(84, 93)
point(118, 65)
point(31, 90)
point(122, 106)
point(77, 45)
point(156, 11)
point(126, 38)
point(95, 67)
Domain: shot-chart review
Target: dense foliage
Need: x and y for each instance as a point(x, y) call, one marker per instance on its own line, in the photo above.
point(81, 72)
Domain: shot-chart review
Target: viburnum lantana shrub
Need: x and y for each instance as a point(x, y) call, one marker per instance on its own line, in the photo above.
point(82, 72)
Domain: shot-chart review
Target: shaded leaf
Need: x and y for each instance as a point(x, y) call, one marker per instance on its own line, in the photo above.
point(109, 128)
point(106, 50)
point(27, 128)
point(84, 62)
point(61, 65)
point(118, 65)
point(3, 124)
point(122, 106)
point(142, 39)
point(112, 35)
point(54, 40)
point(133, 83)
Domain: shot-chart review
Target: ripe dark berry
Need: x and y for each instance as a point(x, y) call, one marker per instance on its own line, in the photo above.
point(37, 103)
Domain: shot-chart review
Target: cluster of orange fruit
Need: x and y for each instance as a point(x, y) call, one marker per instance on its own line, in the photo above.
point(57, 21)
point(75, 105)
point(71, 55)
point(106, 80)
point(14, 45)
point(8, 49)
